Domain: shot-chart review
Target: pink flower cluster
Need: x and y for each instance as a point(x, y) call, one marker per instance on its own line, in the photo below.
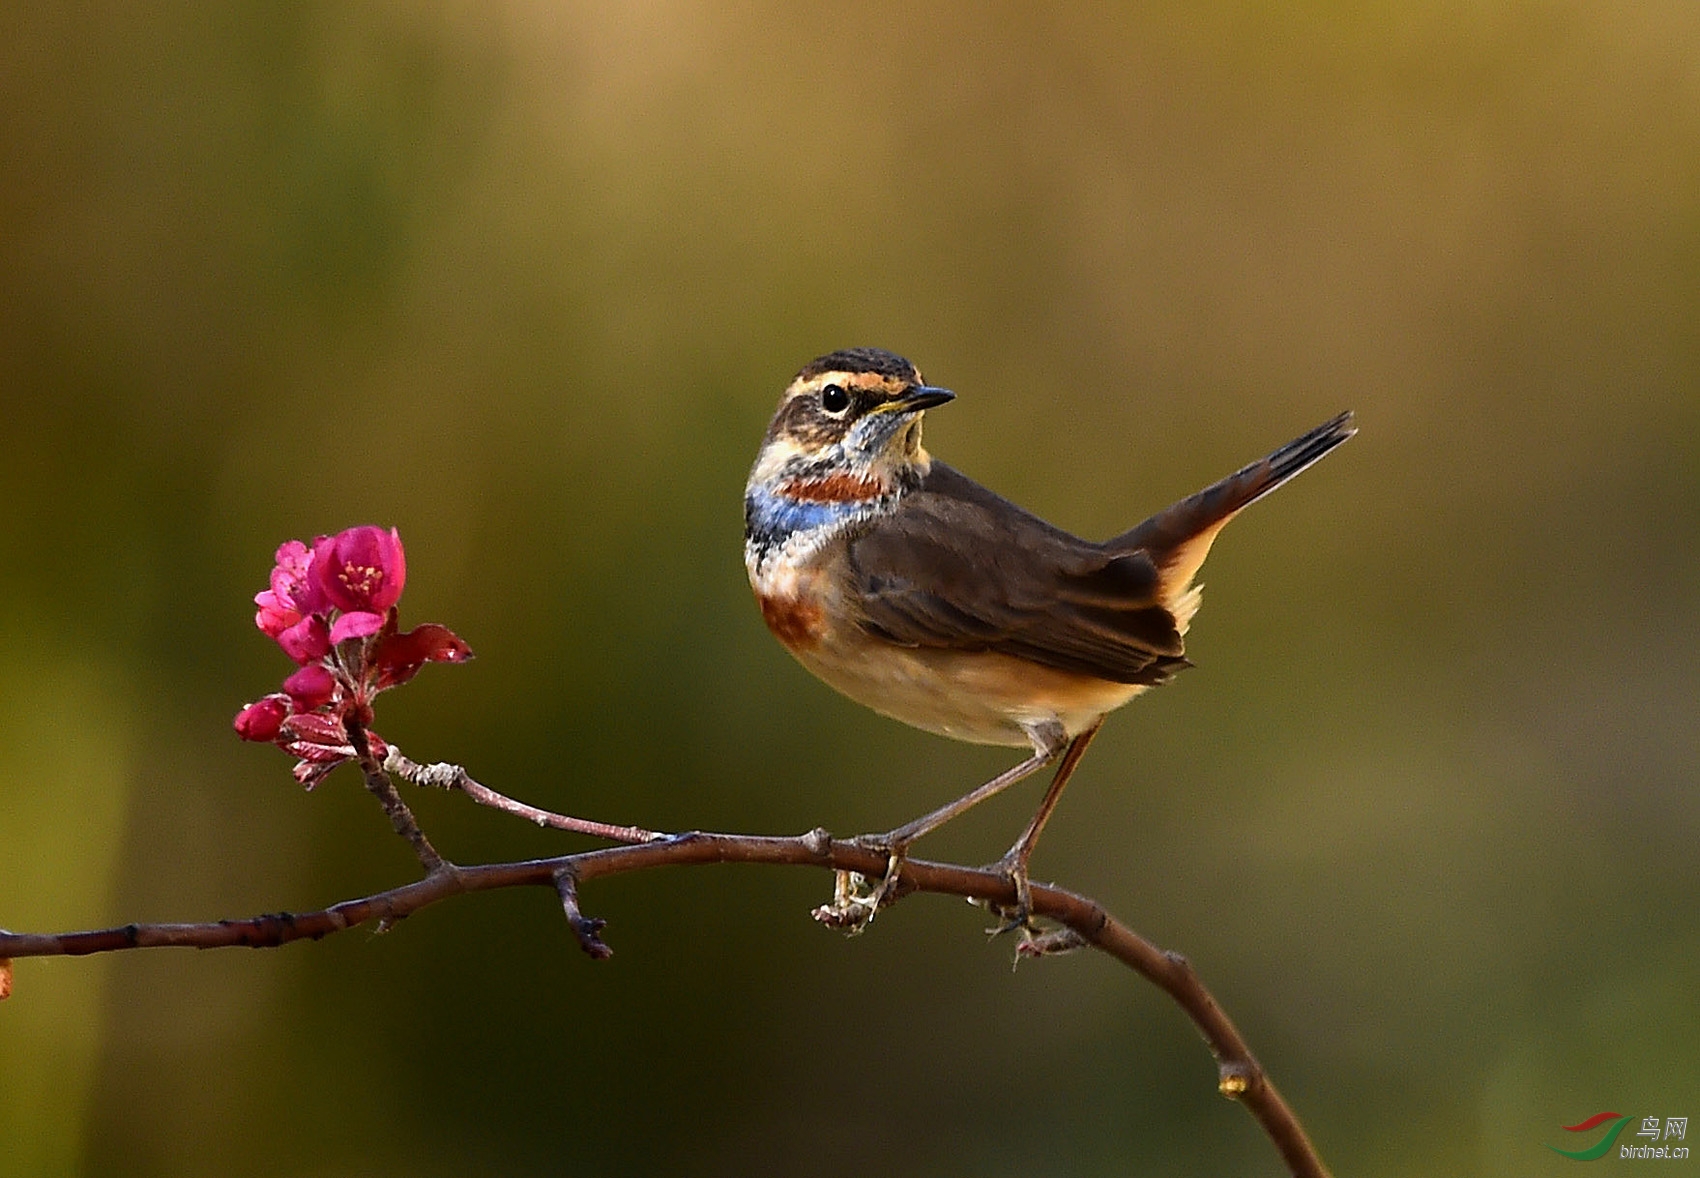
point(332, 609)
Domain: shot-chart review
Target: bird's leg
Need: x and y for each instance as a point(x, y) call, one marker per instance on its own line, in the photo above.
point(1049, 740)
point(855, 904)
point(1014, 861)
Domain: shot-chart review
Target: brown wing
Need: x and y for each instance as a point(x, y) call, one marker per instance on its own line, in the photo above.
point(956, 567)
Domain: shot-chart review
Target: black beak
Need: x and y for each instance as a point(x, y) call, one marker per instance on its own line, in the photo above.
point(923, 396)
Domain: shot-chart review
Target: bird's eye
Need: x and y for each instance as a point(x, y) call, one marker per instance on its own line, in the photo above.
point(834, 399)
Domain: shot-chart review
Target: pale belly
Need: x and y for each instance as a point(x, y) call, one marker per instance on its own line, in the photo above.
point(982, 698)
point(979, 697)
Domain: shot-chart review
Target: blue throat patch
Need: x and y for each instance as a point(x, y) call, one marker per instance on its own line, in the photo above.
point(770, 519)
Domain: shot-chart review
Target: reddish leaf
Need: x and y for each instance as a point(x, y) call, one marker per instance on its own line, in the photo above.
point(316, 727)
point(319, 754)
point(399, 656)
point(309, 774)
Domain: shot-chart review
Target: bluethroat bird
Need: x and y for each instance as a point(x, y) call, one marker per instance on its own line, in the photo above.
point(916, 591)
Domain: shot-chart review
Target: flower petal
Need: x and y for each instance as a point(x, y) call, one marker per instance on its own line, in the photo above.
point(274, 615)
point(359, 624)
point(307, 641)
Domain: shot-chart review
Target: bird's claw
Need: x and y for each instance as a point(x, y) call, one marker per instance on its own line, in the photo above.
point(857, 898)
point(1018, 915)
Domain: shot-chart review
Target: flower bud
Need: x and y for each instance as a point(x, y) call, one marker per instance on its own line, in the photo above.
point(308, 641)
point(262, 719)
point(311, 687)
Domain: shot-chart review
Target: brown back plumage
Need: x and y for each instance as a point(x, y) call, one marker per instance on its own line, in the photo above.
point(957, 567)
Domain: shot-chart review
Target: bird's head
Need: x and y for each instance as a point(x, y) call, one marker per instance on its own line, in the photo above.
point(852, 417)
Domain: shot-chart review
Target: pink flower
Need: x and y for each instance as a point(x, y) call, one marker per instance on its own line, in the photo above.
point(292, 595)
point(289, 574)
point(274, 615)
point(360, 570)
point(341, 590)
point(262, 719)
point(311, 687)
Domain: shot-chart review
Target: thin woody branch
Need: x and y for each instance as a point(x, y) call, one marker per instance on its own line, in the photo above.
point(587, 929)
point(380, 786)
point(442, 775)
point(1240, 1076)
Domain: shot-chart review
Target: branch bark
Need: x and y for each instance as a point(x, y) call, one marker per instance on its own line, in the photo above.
point(1239, 1075)
point(442, 775)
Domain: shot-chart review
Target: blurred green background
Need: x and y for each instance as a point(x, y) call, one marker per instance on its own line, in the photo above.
point(526, 280)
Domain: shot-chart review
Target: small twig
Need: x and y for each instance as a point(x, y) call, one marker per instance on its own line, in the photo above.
point(1240, 1076)
point(587, 929)
point(381, 787)
point(442, 775)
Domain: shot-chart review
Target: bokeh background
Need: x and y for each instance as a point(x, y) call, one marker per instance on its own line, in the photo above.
point(526, 280)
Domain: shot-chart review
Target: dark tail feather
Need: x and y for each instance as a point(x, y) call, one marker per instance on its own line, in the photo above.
point(1178, 523)
point(1178, 537)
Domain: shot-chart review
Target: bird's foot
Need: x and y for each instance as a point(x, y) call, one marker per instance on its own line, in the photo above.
point(858, 898)
point(1018, 915)
point(1034, 940)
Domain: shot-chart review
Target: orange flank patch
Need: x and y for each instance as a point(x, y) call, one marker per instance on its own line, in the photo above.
point(795, 622)
point(834, 488)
